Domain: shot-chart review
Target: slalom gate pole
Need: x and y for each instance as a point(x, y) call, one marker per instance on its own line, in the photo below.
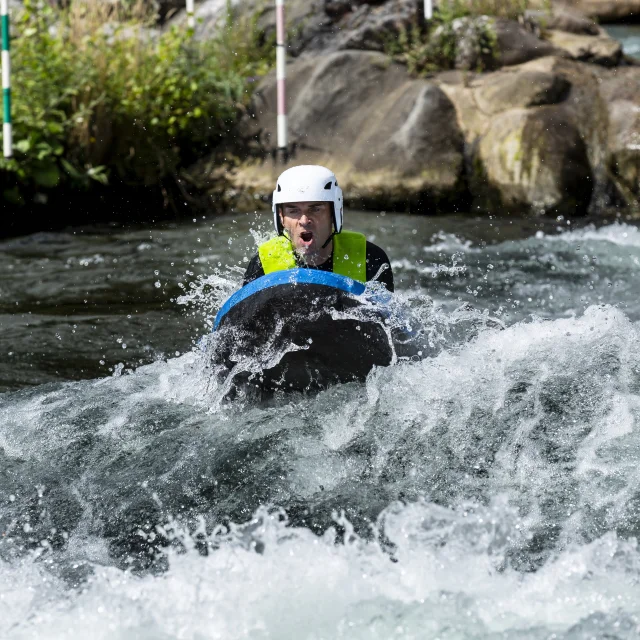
point(191, 14)
point(281, 79)
point(7, 132)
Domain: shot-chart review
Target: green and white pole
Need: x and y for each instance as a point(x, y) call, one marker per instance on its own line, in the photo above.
point(7, 132)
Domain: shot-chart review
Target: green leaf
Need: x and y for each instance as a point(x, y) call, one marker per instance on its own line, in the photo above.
point(99, 175)
point(47, 176)
point(71, 170)
point(23, 146)
point(13, 196)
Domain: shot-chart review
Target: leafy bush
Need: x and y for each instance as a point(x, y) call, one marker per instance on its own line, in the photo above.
point(461, 35)
point(94, 99)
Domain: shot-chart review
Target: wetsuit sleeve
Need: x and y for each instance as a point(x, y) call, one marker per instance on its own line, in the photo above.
point(254, 270)
point(376, 257)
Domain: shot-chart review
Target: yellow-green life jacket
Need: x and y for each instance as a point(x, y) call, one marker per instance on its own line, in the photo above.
point(349, 255)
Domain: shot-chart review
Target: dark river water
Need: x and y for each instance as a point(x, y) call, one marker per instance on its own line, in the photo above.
point(488, 490)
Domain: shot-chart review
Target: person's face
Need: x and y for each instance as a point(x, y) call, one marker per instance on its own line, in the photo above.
point(308, 225)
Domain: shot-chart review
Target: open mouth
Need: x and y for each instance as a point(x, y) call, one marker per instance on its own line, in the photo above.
point(306, 237)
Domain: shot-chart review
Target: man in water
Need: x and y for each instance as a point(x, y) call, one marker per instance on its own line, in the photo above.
point(307, 216)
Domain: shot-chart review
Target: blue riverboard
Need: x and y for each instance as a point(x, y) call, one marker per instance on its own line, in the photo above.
point(290, 277)
point(307, 329)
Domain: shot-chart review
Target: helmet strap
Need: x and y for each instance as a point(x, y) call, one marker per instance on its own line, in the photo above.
point(329, 239)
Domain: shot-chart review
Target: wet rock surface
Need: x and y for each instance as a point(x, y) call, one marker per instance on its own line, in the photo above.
point(621, 90)
point(531, 134)
point(530, 137)
point(533, 129)
point(357, 111)
point(600, 49)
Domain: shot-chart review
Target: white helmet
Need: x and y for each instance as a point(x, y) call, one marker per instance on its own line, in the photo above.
point(308, 183)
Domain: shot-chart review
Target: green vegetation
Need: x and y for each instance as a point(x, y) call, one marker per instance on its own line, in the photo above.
point(100, 97)
point(438, 47)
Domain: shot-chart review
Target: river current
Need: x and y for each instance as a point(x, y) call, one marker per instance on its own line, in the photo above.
point(490, 489)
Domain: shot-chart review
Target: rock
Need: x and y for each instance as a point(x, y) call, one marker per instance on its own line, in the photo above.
point(517, 45)
point(535, 158)
point(527, 138)
point(607, 10)
point(512, 90)
point(572, 21)
point(316, 25)
point(368, 27)
point(599, 49)
point(506, 117)
point(392, 140)
point(621, 90)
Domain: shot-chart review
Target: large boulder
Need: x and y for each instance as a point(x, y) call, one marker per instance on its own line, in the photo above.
point(536, 136)
point(365, 25)
point(527, 138)
point(569, 19)
point(621, 90)
point(392, 140)
point(599, 49)
point(537, 158)
point(504, 91)
point(517, 45)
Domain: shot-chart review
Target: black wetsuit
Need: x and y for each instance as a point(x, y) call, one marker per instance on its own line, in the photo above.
point(376, 257)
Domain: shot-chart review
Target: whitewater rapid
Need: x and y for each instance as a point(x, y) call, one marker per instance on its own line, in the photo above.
point(490, 490)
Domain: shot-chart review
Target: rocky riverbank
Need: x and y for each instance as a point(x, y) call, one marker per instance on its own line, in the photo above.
point(524, 110)
point(553, 128)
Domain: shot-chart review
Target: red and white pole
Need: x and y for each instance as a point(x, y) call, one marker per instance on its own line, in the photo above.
point(281, 77)
point(191, 14)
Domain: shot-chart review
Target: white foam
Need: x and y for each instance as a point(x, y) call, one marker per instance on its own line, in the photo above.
point(280, 582)
point(618, 233)
point(488, 418)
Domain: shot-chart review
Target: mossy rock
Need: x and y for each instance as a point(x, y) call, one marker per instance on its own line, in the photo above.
point(535, 160)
